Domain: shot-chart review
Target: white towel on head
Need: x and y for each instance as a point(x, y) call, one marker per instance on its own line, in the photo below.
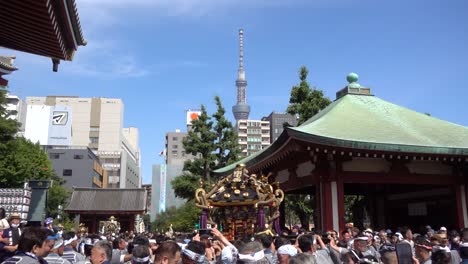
point(287, 250)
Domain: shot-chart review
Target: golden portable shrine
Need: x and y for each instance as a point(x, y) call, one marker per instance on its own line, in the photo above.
point(243, 204)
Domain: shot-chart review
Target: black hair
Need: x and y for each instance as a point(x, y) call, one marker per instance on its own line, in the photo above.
point(116, 242)
point(441, 257)
point(306, 242)
point(237, 243)
point(130, 247)
point(169, 249)
point(265, 240)
point(68, 235)
point(196, 246)
point(31, 236)
point(141, 240)
point(404, 230)
point(2, 213)
point(140, 252)
point(281, 241)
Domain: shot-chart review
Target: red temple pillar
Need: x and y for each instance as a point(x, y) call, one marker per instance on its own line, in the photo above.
point(332, 205)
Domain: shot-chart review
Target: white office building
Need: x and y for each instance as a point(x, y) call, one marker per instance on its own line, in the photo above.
point(93, 122)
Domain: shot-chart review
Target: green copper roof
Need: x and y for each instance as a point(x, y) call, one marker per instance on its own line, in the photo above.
point(370, 119)
point(364, 122)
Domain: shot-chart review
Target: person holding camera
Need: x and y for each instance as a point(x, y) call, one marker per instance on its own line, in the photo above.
point(314, 245)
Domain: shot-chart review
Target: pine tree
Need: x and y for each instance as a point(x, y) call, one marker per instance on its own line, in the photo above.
point(304, 101)
point(226, 143)
point(213, 144)
point(200, 144)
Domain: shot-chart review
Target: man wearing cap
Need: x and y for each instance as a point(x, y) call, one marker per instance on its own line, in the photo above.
point(11, 236)
point(55, 255)
point(70, 241)
point(48, 223)
point(285, 253)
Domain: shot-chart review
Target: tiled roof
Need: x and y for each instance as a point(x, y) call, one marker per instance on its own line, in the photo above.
point(105, 200)
point(6, 62)
point(365, 122)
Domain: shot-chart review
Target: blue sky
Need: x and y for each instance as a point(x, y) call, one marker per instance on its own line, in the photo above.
point(165, 56)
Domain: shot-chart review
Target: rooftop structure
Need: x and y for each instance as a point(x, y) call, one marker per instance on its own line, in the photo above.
point(6, 67)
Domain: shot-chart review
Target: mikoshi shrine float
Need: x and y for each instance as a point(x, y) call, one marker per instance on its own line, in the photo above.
point(244, 204)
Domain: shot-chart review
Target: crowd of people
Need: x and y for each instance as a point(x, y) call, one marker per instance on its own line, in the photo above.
point(51, 244)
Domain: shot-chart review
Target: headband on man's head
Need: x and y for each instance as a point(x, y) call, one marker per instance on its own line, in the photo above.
point(141, 260)
point(193, 256)
point(252, 257)
point(69, 241)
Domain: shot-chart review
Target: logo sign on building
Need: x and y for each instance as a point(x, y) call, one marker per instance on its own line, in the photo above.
point(162, 186)
point(192, 115)
point(60, 130)
point(59, 118)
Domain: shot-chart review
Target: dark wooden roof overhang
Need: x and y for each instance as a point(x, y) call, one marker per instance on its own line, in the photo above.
point(107, 201)
point(49, 28)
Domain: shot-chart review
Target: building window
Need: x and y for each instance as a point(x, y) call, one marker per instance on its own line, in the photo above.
point(78, 156)
point(94, 140)
point(54, 156)
point(174, 153)
point(175, 146)
point(94, 129)
point(174, 139)
point(67, 172)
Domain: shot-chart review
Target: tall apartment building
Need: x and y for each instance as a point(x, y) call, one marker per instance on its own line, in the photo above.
point(253, 135)
point(175, 152)
point(96, 123)
point(277, 121)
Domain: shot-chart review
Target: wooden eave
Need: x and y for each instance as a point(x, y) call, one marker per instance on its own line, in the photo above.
point(48, 28)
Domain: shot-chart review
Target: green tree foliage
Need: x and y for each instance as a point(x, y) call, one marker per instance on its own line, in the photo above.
point(8, 127)
point(301, 205)
point(226, 143)
point(57, 195)
point(185, 185)
point(21, 161)
point(213, 144)
point(304, 101)
point(200, 142)
point(182, 219)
